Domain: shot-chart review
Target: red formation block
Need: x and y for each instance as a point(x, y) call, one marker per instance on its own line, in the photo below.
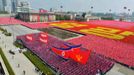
point(9, 21)
point(36, 25)
point(113, 24)
point(117, 50)
point(13, 21)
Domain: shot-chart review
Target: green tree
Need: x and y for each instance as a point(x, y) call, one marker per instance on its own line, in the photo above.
point(107, 18)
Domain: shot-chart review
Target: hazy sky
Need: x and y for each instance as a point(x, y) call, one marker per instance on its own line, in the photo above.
point(85, 5)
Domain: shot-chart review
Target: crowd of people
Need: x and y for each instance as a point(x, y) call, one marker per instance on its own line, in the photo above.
point(67, 67)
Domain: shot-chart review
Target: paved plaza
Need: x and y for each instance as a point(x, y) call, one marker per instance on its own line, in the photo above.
point(25, 64)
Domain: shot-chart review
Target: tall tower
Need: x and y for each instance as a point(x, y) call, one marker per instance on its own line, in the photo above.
point(3, 4)
point(14, 4)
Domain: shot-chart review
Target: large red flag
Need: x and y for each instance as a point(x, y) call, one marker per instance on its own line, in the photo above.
point(76, 54)
point(76, 50)
point(62, 53)
point(66, 52)
point(81, 56)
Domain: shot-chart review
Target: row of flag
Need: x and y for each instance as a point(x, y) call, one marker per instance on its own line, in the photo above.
point(43, 37)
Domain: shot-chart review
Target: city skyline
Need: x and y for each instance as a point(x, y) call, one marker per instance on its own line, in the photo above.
point(113, 6)
point(101, 6)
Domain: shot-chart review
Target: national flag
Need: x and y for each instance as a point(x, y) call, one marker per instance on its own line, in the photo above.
point(75, 50)
point(73, 46)
point(63, 53)
point(81, 56)
point(75, 53)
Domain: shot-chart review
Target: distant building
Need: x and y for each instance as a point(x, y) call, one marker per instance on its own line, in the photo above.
point(3, 4)
point(23, 6)
point(63, 16)
point(133, 14)
point(14, 4)
point(88, 18)
point(41, 10)
point(36, 17)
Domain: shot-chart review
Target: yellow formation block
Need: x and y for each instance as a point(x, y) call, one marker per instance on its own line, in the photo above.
point(68, 25)
point(107, 32)
point(127, 33)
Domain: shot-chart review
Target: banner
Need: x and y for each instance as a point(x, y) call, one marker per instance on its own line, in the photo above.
point(43, 40)
point(76, 54)
point(29, 37)
point(43, 37)
point(42, 11)
point(63, 53)
point(81, 56)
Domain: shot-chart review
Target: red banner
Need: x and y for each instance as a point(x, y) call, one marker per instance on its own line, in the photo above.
point(29, 37)
point(75, 53)
point(81, 56)
point(43, 37)
point(42, 11)
point(62, 53)
point(43, 40)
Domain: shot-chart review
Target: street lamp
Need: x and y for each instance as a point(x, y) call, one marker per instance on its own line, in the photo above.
point(61, 7)
point(91, 9)
point(110, 10)
point(129, 10)
point(125, 7)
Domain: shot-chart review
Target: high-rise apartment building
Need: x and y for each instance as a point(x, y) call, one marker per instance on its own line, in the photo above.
point(3, 4)
point(23, 6)
point(14, 4)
